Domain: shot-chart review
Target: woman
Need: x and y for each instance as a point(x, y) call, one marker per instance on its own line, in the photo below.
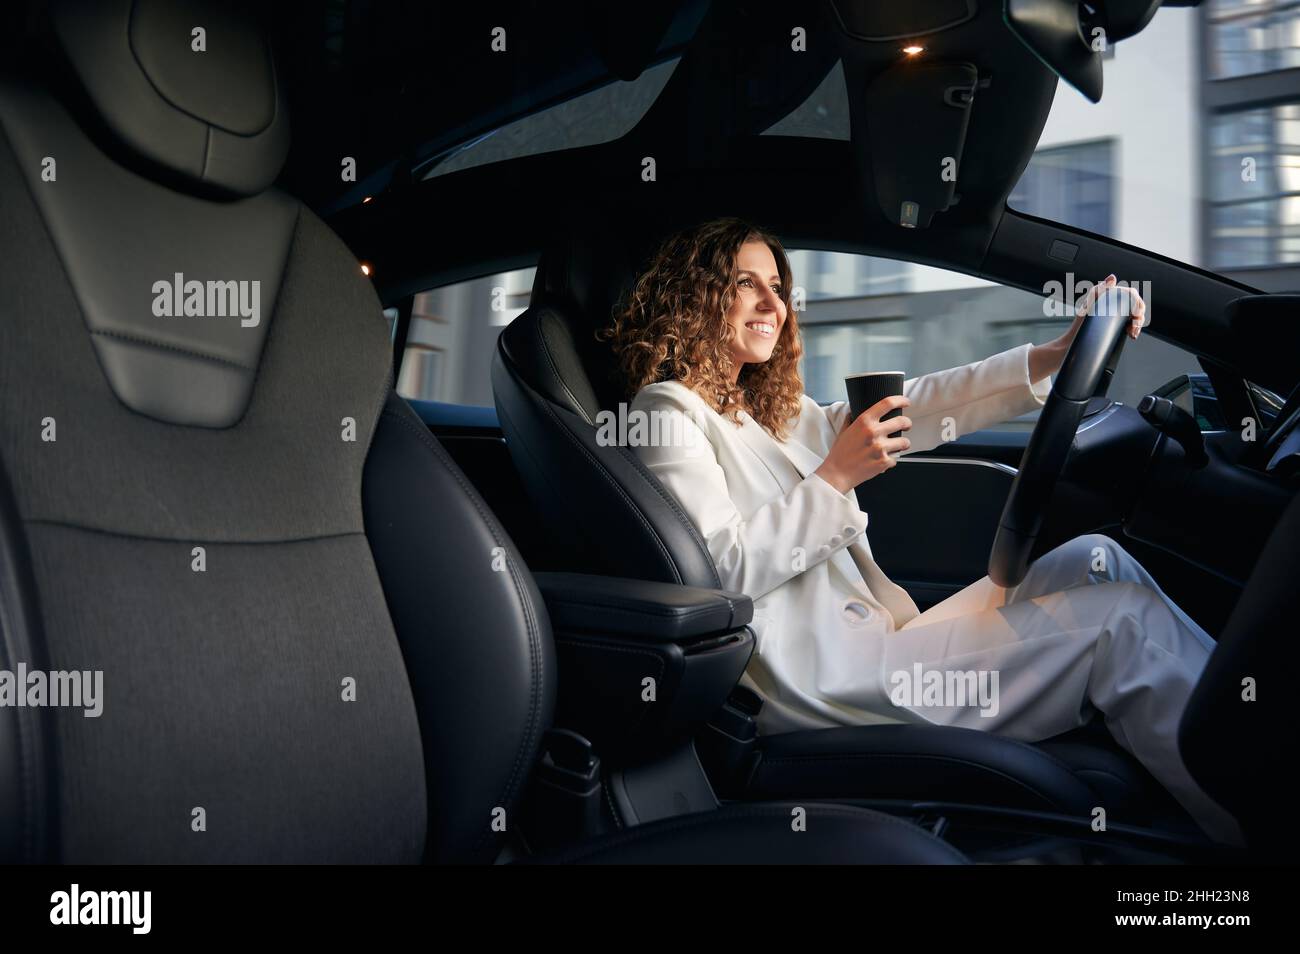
point(708, 336)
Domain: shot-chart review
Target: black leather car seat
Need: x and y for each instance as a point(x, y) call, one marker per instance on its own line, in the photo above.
point(607, 513)
point(288, 587)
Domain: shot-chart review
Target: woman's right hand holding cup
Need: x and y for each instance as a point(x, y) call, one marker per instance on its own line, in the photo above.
point(864, 448)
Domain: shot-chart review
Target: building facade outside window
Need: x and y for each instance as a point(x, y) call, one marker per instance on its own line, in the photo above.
point(1248, 37)
point(1074, 184)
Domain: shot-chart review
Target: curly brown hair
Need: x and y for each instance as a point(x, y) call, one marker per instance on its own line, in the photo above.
point(672, 326)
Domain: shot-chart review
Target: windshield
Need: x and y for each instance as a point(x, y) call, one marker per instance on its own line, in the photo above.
point(1193, 151)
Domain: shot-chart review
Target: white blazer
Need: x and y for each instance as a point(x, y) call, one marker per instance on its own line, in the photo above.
point(798, 547)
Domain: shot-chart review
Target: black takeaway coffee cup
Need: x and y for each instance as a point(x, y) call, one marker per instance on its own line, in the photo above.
point(872, 387)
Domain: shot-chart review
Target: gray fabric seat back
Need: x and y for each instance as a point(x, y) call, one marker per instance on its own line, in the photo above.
point(183, 509)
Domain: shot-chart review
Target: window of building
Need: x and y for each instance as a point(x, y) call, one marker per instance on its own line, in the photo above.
point(1254, 188)
point(1248, 37)
point(1073, 184)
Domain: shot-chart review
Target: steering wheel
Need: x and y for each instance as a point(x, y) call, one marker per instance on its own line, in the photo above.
point(1085, 373)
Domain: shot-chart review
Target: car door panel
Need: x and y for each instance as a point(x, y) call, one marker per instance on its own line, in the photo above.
point(932, 518)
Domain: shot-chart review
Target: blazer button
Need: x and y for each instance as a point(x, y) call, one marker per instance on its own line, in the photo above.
point(835, 540)
point(823, 551)
point(856, 613)
point(850, 532)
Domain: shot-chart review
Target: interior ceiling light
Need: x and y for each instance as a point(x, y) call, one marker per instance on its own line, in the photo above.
point(913, 50)
point(365, 269)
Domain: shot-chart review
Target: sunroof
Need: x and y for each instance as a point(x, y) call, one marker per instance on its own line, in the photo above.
point(601, 115)
point(823, 115)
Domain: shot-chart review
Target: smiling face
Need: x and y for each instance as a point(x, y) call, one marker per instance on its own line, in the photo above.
point(758, 314)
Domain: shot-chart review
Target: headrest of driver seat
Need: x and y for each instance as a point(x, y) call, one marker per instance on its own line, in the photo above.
point(582, 273)
point(589, 267)
point(188, 87)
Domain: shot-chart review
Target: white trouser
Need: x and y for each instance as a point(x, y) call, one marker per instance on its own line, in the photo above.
point(1087, 626)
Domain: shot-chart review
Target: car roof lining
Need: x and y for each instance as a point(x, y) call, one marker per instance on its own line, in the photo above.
point(365, 81)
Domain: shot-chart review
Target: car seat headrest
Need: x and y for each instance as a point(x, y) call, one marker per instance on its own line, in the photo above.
point(188, 89)
point(582, 274)
point(589, 270)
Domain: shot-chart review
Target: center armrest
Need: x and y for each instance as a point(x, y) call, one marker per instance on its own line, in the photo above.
point(657, 612)
point(640, 663)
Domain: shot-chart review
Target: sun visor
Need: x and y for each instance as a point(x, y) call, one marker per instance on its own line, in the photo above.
point(916, 116)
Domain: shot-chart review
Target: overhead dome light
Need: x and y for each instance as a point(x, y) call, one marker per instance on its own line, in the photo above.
point(913, 50)
point(365, 269)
